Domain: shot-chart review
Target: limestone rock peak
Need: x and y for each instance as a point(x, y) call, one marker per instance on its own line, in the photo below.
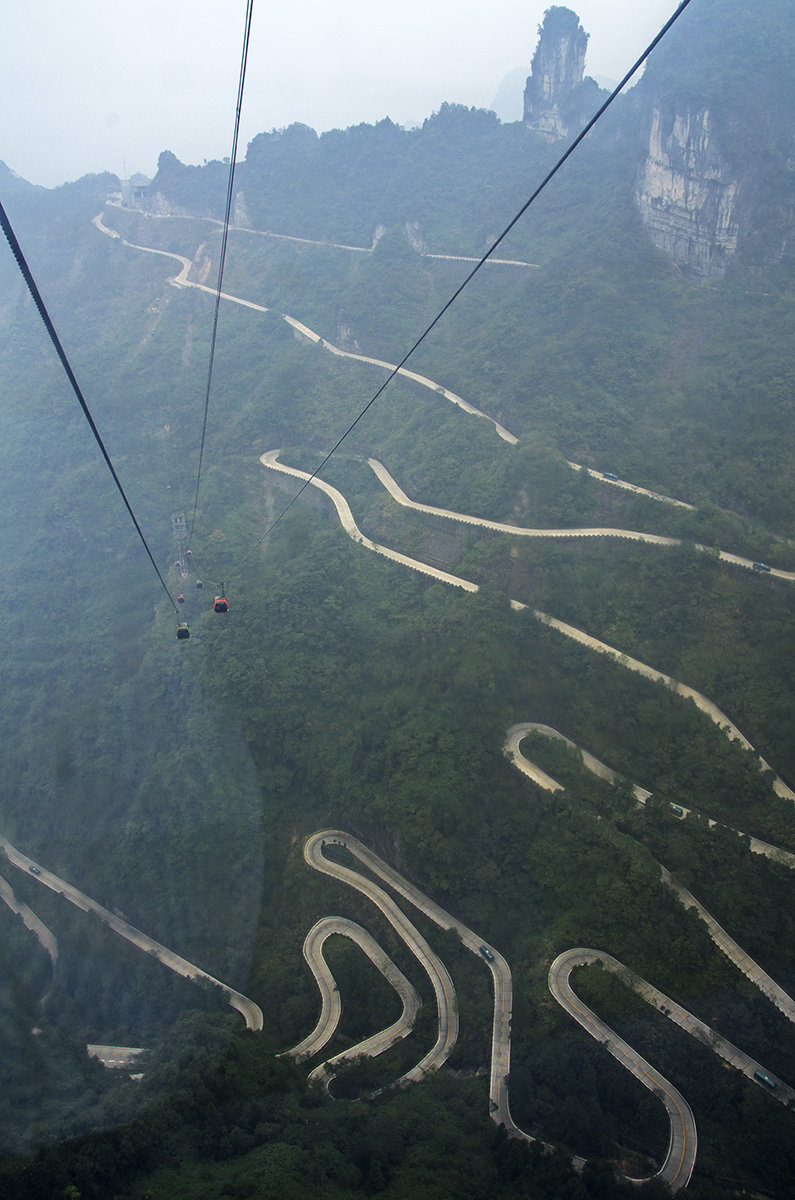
point(556, 73)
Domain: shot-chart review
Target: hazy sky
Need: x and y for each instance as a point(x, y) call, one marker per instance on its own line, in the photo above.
point(92, 85)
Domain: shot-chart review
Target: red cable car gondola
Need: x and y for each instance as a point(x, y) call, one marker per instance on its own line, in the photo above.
point(221, 604)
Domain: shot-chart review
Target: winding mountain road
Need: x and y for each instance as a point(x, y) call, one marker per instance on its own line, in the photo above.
point(181, 280)
point(628, 535)
point(443, 984)
point(517, 733)
point(732, 949)
point(683, 1143)
point(271, 460)
point(680, 1159)
point(678, 1164)
point(331, 1004)
point(289, 237)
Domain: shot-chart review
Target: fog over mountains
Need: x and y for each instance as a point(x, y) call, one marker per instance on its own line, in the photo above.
point(483, 784)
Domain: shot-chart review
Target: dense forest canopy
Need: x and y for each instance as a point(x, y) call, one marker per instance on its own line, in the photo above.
point(175, 783)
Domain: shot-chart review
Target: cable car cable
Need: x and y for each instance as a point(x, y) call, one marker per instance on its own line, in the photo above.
point(21, 261)
point(547, 178)
point(224, 240)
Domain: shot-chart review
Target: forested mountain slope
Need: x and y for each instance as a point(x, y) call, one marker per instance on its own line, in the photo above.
point(604, 347)
point(176, 782)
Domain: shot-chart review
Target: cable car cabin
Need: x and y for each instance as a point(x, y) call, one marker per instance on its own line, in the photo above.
point(182, 631)
point(199, 584)
point(180, 599)
point(221, 604)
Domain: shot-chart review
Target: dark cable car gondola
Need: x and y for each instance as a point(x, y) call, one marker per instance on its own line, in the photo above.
point(221, 604)
point(199, 584)
point(182, 631)
point(180, 599)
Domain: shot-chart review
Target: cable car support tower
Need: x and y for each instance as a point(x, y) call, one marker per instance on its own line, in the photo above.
point(181, 538)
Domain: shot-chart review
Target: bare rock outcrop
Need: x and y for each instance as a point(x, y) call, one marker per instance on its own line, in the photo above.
point(556, 73)
point(686, 192)
point(715, 177)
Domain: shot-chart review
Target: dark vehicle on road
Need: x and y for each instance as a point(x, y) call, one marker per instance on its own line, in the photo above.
point(487, 954)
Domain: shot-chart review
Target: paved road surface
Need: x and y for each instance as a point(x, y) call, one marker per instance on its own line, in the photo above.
point(500, 971)
point(516, 735)
point(36, 926)
point(630, 487)
point(702, 702)
point(734, 951)
point(181, 280)
point(331, 1003)
point(630, 535)
point(707, 706)
point(683, 1144)
point(286, 237)
point(251, 1012)
point(437, 972)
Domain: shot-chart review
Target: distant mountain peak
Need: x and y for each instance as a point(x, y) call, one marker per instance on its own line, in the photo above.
point(556, 73)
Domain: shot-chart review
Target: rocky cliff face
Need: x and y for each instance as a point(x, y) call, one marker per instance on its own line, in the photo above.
point(556, 73)
point(686, 192)
point(715, 182)
point(705, 207)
